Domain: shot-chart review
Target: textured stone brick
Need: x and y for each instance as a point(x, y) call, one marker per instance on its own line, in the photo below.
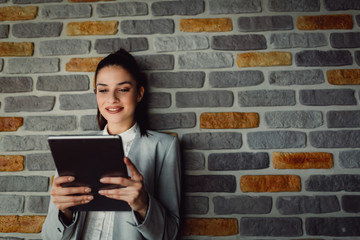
point(63, 83)
point(333, 183)
point(11, 163)
point(109, 45)
point(177, 79)
point(40, 162)
point(24, 183)
point(169, 8)
point(272, 227)
point(294, 119)
point(206, 25)
point(205, 60)
point(215, 140)
point(82, 64)
point(333, 226)
point(238, 161)
point(210, 226)
point(194, 161)
point(38, 204)
point(302, 160)
point(324, 22)
point(270, 183)
point(350, 203)
point(196, 205)
point(276, 139)
point(180, 43)
point(121, 9)
point(153, 26)
point(8, 124)
point(350, 159)
point(155, 62)
point(21, 224)
point(4, 30)
point(343, 119)
point(23, 143)
point(323, 58)
point(64, 47)
point(336, 5)
point(34, 1)
point(263, 59)
point(92, 28)
point(78, 101)
point(235, 79)
point(327, 97)
point(50, 123)
point(223, 120)
point(234, 6)
point(15, 49)
point(165, 121)
point(297, 77)
point(239, 42)
point(204, 99)
point(17, 13)
point(335, 139)
point(210, 183)
point(242, 205)
point(357, 57)
point(255, 98)
point(357, 17)
point(29, 104)
point(12, 203)
point(294, 5)
point(265, 23)
point(66, 11)
point(37, 30)
point(345, 40)
point(15, 84)
point(159, 100)
point(1, 64)
point(33, 65)
point(88, 123)
point(298, 40)
point(343, 76)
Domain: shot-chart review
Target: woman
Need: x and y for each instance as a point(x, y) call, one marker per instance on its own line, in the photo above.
point(152, 191)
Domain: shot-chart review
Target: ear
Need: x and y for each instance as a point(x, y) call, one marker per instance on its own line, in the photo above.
point(140, 94)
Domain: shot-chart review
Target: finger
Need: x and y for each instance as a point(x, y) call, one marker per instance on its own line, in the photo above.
point(60, 191)
point(135, 175)
point(65, 179)
point(116, 180)
point(72, 199)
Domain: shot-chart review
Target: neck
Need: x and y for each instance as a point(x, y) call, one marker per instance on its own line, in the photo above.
point(115, 129)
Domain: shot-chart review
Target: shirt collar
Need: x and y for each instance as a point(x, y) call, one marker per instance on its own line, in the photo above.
point(127, 135)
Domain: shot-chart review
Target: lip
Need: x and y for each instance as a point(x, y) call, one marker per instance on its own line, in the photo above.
point(114, 109)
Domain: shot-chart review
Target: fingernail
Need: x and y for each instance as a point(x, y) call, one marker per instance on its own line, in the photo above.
point(90, 197)
point(101, 192)
point(71, 179)
point(87, 190)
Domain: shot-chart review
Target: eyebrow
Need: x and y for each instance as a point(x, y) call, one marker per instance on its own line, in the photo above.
point(119, 84)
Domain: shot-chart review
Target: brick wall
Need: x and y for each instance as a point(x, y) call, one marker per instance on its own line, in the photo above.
point(263, 94)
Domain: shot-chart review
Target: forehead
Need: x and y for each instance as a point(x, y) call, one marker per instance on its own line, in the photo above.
point(113, 74)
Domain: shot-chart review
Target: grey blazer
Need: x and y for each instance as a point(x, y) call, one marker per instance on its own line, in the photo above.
point(157, 158)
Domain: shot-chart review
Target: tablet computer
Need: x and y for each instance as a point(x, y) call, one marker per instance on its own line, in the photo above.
point(88, 159)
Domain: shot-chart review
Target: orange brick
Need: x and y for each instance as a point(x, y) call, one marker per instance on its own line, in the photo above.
point(302, 160)
point(324, 22)
point(8, 124)
point(92, 28)
point(16, 13)
point(264, 59)
point(21, 224)
point(206, 25)
point(174, 134)
point(9, 224)
point(343, 76)
point(11, 163)
point(210, 226)
point(270, 183)
point(229, 120)
point(13, 49)
point(82, 64)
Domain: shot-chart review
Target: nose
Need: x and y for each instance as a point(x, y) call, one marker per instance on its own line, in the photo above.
point(113, 97)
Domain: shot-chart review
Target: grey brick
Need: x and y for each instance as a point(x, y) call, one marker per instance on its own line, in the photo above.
point(159, 100)
point(235, 79)
point(10, 238)
point(64, 47)
point(345, 40)
point(288, 205)
point(88, 123)
point(29, 104)
point(4, 30)
point(350, 159)
point(350, 203)
point(238, 161)
point(343, 119)
point(37, 30)
point(333, 183)
point(177, 79)
point(239, 42)
point(272, 227)
point(12, 203)
point(1, 64)
point(333, 226)
point(34, 1)
point(234, 6)
point(204, 99)
point(109, 45)
point(184, 7)
point(155, 62)
point(33, 65)
point(23, 143)
point(242, 205)
point(265, 23)
point(297, 77)
point(66, 11)
point(180, 43)
point(63, 83)
point(335, 139)
point(210, 183)
point(162, 26)
point(294, 119)
point(122, 9)
point(357, 57)
point(276, 139)
point(15, 84)
point(357, 18)
point(327, 97)
point(78, 101)
point(205, 60)
point(297, 40)
point(196, 205)
point(194, 161)
point(215, 140)
point(38, 204)
point(335, 5)
point(294, 5)
point(310, 58)
point(159, 121)
point(256, 98)
point(24, 184)
point(40, 162)
point(50, 123)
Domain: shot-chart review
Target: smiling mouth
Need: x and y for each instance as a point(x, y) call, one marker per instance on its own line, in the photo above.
point(114, 110)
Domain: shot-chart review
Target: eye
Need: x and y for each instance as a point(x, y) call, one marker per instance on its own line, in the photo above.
point(124, 89)
point(102, 90)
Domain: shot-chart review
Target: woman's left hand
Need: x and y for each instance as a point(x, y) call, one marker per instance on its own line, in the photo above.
point(132, 190)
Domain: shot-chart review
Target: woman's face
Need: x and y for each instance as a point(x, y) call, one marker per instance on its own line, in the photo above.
point(117, 96)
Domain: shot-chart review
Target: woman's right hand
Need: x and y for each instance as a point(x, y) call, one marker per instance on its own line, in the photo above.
point(64, 198)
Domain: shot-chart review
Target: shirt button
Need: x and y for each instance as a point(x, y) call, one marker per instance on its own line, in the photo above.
point(59, 229)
